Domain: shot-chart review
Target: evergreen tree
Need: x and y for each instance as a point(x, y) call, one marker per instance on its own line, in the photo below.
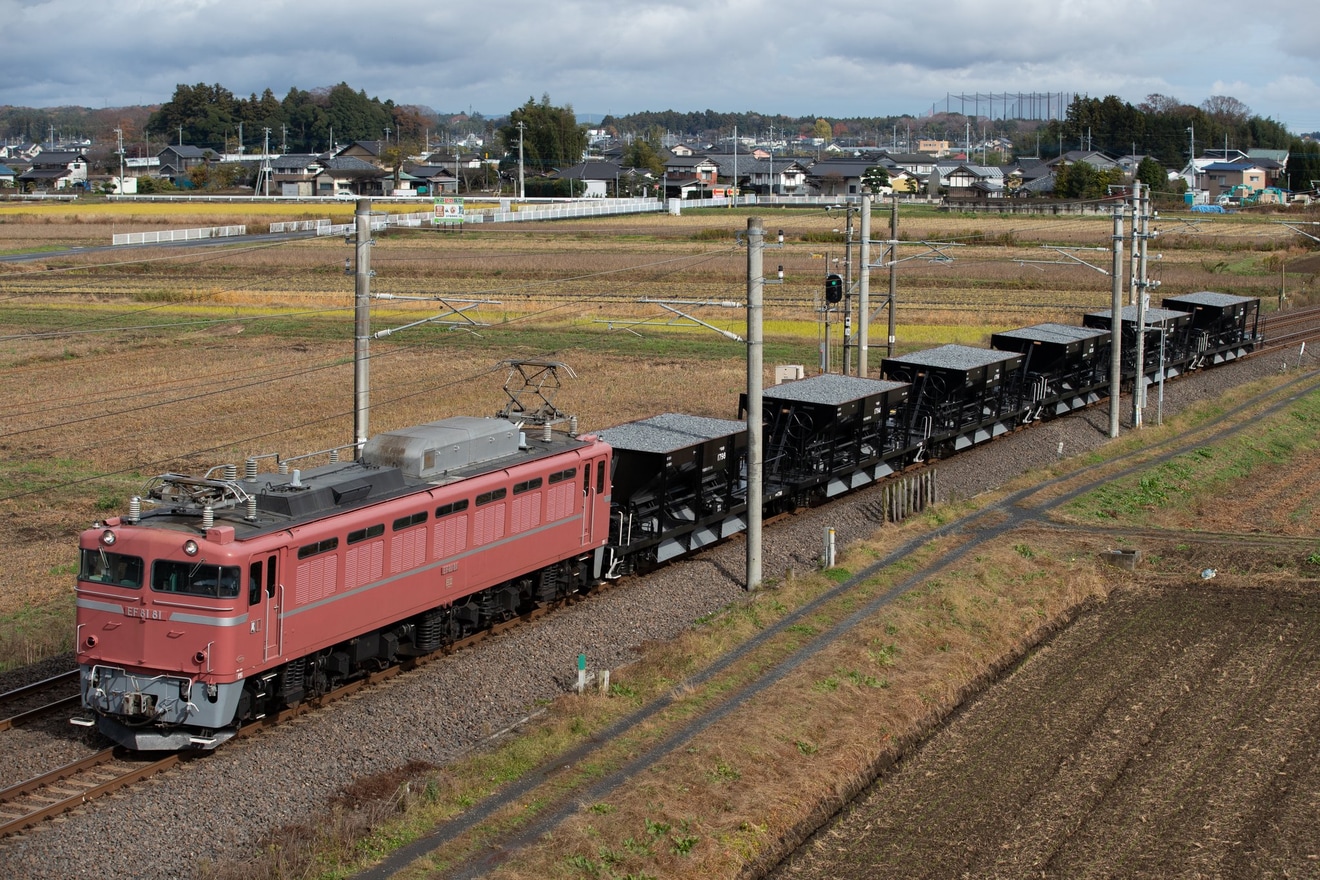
point(551, 136)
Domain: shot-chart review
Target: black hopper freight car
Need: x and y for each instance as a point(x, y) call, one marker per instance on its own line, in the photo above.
point(1223, 327)
point(828, 435)
point(1064, 367)
point(679, 483)
point(1167, 345)
point(960, 396)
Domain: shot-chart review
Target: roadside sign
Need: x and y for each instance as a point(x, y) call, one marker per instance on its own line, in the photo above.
point(448, 212)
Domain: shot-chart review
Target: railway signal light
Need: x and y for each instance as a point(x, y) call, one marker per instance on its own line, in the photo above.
point(833, 288)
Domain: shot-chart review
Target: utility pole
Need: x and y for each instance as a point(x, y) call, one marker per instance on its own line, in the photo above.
point(755, 355)
point(1147, 286)
point(1191, 156)
point(864, 285)
point(119, 190)
point(893, 271)
point(265, 163)
point(362, 330)
point(847, 292)
point(1116, 324)
point(734, 200)
point(522, 186)
point(1139, 389)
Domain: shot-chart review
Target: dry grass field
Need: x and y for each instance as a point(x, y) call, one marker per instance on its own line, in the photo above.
point(118, 364)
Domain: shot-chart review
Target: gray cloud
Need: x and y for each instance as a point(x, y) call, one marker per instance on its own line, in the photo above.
point(844, 58)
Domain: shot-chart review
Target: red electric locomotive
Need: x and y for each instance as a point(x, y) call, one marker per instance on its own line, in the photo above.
point(231, 597)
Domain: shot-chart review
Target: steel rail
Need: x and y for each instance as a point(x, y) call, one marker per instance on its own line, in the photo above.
point(55, 786)
point(29, 690)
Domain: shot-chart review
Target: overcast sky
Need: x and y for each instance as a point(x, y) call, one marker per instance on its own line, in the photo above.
point(839, 58)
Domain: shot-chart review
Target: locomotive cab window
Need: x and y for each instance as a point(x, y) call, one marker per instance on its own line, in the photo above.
point(254, 583)
point(195, 579)
point(115, 569)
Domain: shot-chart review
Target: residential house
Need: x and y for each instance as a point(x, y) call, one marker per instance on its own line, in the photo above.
point(839, 176)
point(19, 152)
point(1129, 163)
point(428, 179)
point(919, 165)
point(1275, 163)
point(1224, 178)
point(1096, 159)
point(903, 181)
point(685, 186)
point(964, 181)
point(7, 176)
point(774, 176)
point(174, 162)
point(55, 169)
point(294, 174)
point(1029, 177)
point(754, 174)
point(351, 175)
point(367, 151)
point(705, 169)
point(598, 179)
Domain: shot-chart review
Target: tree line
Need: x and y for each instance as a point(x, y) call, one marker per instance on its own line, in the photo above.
point(211, 117)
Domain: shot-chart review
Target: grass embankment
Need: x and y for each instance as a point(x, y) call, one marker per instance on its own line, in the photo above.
point(718, 801)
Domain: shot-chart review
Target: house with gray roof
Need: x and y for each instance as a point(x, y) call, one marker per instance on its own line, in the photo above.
point(55, 169)
point(841, 176)
point(351, 175)
point(1223, 178)
point(429, 180)
point(961, 180)
point(174, 162)
point(762, 175)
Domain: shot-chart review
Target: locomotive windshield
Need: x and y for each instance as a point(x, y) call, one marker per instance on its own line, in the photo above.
point(195, 579)
point(116, 569)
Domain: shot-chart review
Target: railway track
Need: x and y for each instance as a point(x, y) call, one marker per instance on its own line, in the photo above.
point(1286, 329)
point(40, 698)
point(69, 787)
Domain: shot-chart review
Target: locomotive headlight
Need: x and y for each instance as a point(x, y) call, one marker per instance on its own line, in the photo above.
point(190, 547)
point(108, 538)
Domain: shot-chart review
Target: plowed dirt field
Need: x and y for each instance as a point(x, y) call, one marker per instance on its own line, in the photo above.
point(1171, 732)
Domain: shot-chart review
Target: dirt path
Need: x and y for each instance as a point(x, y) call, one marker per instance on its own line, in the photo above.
point(1171, 733)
